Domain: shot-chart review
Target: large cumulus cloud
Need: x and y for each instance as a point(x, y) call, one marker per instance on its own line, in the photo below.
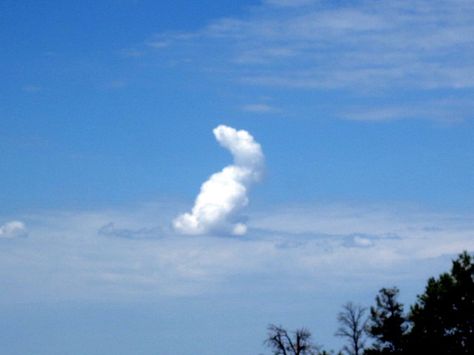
point(226, 192)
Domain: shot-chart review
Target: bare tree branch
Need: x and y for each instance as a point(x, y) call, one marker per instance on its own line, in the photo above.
point(282, 343)
point(352, 323)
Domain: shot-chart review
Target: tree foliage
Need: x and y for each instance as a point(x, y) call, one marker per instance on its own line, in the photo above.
point(440, 322)
point(443, 316)
point(387, 323)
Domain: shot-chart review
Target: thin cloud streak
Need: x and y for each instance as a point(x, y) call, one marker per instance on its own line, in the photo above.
point(259, 108)
point(388, 43)
point(449, 110)
point(369, 48)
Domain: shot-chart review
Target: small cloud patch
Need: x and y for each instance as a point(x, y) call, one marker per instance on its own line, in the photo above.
point(12, 230)
point(362, 242)
point(110, 230)
point(259, 108)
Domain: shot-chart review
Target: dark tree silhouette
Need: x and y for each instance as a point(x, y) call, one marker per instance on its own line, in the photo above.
point(443, 317)
point(282, 343)
point(352, 322)
point(440, 322)
point(387, 324)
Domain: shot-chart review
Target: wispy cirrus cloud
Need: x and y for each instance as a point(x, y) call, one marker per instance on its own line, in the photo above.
point(373, 44)
point(289, 3)
point(378, 49)
point(111, 230)
point(448, 109)
point(259, 108)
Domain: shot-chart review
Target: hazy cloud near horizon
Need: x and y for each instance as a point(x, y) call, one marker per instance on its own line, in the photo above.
point(339, 246)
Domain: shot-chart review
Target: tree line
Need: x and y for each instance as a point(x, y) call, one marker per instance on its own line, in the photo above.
point(440, 322)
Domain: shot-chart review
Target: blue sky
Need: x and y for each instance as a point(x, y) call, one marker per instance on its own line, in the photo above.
point(364, 113)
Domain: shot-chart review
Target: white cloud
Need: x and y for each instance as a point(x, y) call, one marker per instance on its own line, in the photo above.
point(289, 3)
point(13, 229)
point(225, 193)
point(449, 110)
point(310, 248)
point(362, 242)
point(259, 108)
point(366, 44)
point(380, 49)
point(110, 230)
point(158, 44)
